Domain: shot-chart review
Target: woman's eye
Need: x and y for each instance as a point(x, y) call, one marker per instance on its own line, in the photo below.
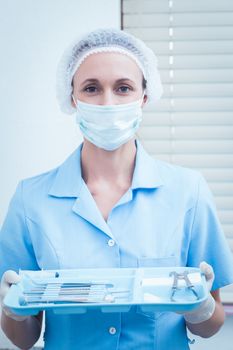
point(91, 89)
point(124, 89)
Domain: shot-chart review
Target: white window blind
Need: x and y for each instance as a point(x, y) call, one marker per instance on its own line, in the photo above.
point(192, 125)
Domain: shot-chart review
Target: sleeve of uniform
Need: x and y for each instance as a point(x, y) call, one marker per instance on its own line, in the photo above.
point(16, 251)
point(208, 241)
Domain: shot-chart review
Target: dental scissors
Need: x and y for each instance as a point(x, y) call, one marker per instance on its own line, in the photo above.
point(188, 284)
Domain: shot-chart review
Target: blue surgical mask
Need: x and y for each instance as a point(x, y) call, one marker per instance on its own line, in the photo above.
point(109, 126)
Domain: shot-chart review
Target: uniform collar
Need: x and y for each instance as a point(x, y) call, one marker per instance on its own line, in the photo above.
point(68, 180)
point(146, 172)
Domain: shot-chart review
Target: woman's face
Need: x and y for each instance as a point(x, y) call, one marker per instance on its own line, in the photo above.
point(108, 78)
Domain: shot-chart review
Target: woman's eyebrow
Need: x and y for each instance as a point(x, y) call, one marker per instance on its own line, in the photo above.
point(93, 80)
point(125, 81)
point(89, 81)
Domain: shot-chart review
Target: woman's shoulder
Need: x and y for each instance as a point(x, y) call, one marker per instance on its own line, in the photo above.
point(171, 172)
point(183, 183)
point(61, 174)
point(38, 184)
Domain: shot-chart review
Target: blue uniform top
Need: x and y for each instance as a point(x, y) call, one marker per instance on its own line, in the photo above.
point(166, 218)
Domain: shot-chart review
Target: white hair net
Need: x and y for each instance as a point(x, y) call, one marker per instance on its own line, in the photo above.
point(106, 40)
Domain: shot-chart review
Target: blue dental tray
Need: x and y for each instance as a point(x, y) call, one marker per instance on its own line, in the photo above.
point(107, 289)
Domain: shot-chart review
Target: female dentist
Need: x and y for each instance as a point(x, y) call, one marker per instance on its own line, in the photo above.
point(111, 205)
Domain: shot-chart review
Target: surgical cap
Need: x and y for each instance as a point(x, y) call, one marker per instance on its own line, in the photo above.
point(106, 40)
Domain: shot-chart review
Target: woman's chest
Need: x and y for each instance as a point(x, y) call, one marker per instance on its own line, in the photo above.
point(136, 233)
point(106, 198)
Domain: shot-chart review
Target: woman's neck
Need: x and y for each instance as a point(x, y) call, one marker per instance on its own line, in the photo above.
point(116, 166)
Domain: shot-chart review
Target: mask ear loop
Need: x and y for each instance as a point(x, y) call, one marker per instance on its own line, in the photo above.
point(143, 95)
point(74, 100)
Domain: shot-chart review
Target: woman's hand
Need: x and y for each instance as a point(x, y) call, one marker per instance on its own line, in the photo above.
point(9, 277)
point(23, 334)
point(208, 272)
point(206, 309)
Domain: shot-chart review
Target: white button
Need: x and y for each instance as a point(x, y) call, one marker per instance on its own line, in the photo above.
point(111, 243)
point(112, 330)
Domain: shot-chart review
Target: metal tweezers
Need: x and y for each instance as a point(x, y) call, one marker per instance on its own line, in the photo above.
point(181, 276)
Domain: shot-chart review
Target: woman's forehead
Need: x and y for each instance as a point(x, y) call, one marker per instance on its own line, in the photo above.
point(108, 64)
